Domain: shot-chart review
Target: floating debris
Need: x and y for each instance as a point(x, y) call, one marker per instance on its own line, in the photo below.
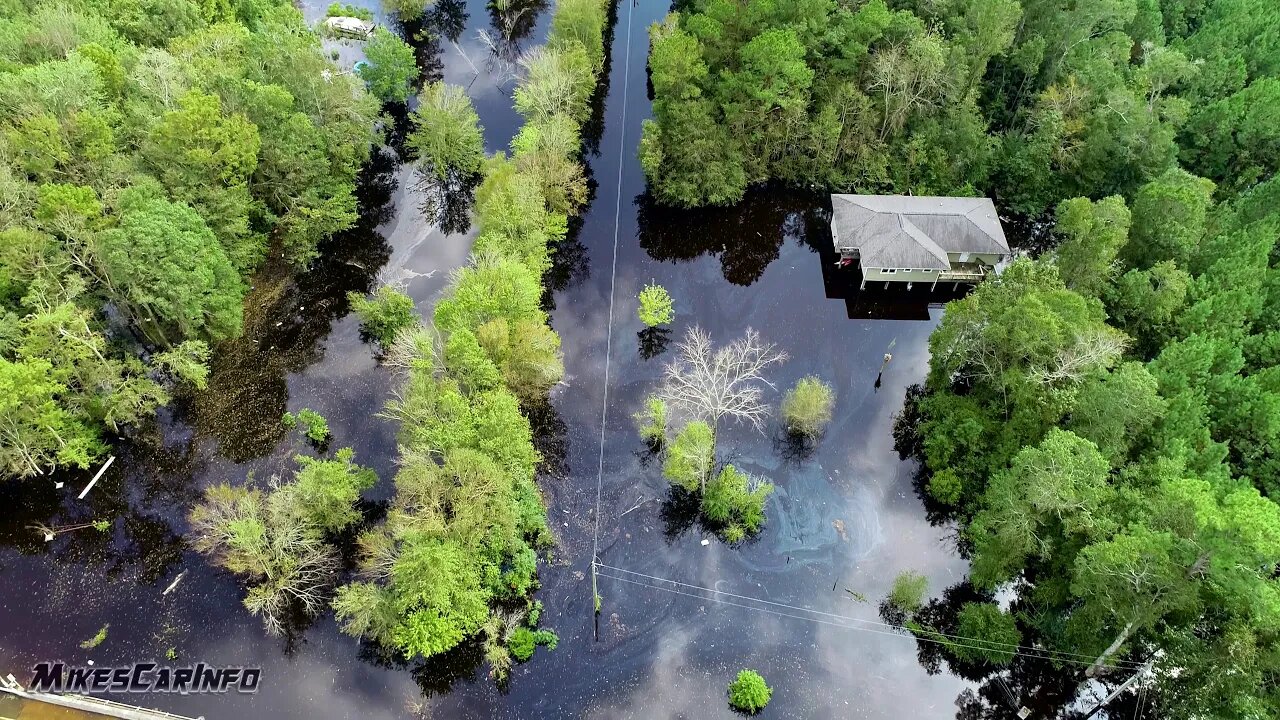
point(94, 481)
point(839, 526)
point(174, 584)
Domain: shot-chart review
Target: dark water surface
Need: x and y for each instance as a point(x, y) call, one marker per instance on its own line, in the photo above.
point(843, 520)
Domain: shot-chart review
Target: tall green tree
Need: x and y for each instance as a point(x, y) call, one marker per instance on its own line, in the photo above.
point(391, 66)
point(171, 271)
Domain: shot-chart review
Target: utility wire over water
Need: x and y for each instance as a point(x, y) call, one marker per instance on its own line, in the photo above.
point(841, 621)
point(608, 345)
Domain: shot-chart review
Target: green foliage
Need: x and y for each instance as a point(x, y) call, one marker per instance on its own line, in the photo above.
point(748, 692)
point(995, 629)
point(524, 640)
point(385, 315)
point(735, 500)
point(97, 639)
point(908, 591)
point(1092, 235)
point(170, 271)
point(38, 430)
point(325, 492)
point(493, 287)
point(1169, 219)
point(806, 409)
point(461, 532)
point(1053, 493)
point(546, 153)
point(409, 10)
point(314, 426)
point(945, 487)
point(391, 67)
point(691, 456)
point(343, 10)
point(512, 214)
point(559, 83)
point(276, 539)
point(150, 149)
point(580, 23)
point(656, 306)
point(651, 421)
point(446, 138)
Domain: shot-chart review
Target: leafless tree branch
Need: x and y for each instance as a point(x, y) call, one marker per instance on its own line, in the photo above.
point(707, 384)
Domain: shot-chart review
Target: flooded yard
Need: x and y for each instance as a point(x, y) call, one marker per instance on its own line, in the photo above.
point(681, 611)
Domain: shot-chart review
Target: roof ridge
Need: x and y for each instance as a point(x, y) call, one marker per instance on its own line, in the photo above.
point(865, 221)
point(968, 217)
point(922, 238)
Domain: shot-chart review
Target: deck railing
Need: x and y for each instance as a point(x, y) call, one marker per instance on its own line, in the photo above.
point(967, 272)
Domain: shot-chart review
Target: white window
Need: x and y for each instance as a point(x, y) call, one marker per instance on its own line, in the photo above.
point(964, 258)
point(928, 270)
point(889, 271)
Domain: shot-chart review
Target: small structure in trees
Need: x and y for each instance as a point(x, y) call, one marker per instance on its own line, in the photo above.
point(906, 239)
point(351, 27)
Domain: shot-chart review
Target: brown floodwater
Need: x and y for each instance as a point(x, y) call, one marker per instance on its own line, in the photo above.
point(797, 602)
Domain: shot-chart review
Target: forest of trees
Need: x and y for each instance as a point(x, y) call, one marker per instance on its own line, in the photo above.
point(152, 154)
point(1032, 102)
point(1100, 421)
point(457, 556)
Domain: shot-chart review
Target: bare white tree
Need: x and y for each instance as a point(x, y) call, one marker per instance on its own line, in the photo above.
point(1087, 352)
point(286, 560)
point(708, 384)
point(300, 570)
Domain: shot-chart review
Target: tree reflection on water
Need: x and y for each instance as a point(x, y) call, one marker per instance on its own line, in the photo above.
point(747, 237)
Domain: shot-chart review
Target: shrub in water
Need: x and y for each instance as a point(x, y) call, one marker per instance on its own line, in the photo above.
point(656, 306)
point(312, 422)
point(523, 640)
point(994, 626)
point(652, 421)
point(691, 456)
point(737, 500)
point(384, 315)
point(807, 407)
point(748, 692)
point(908, 591)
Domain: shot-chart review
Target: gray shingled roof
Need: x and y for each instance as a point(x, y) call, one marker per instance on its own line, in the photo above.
point(901, 231)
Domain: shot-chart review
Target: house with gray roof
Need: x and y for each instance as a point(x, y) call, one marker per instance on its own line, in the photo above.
point(902, 238)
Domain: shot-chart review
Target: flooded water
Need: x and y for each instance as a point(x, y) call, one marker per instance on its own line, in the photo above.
point(797, 602)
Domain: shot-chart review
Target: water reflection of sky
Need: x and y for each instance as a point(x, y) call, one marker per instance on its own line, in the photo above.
point(651, 654)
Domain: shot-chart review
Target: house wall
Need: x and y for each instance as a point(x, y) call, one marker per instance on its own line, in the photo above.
point(984, 258)
point(900, 275)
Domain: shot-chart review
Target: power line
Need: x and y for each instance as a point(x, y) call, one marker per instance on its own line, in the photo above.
point(613, 280)
point(893, 630)
point(847, 618)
